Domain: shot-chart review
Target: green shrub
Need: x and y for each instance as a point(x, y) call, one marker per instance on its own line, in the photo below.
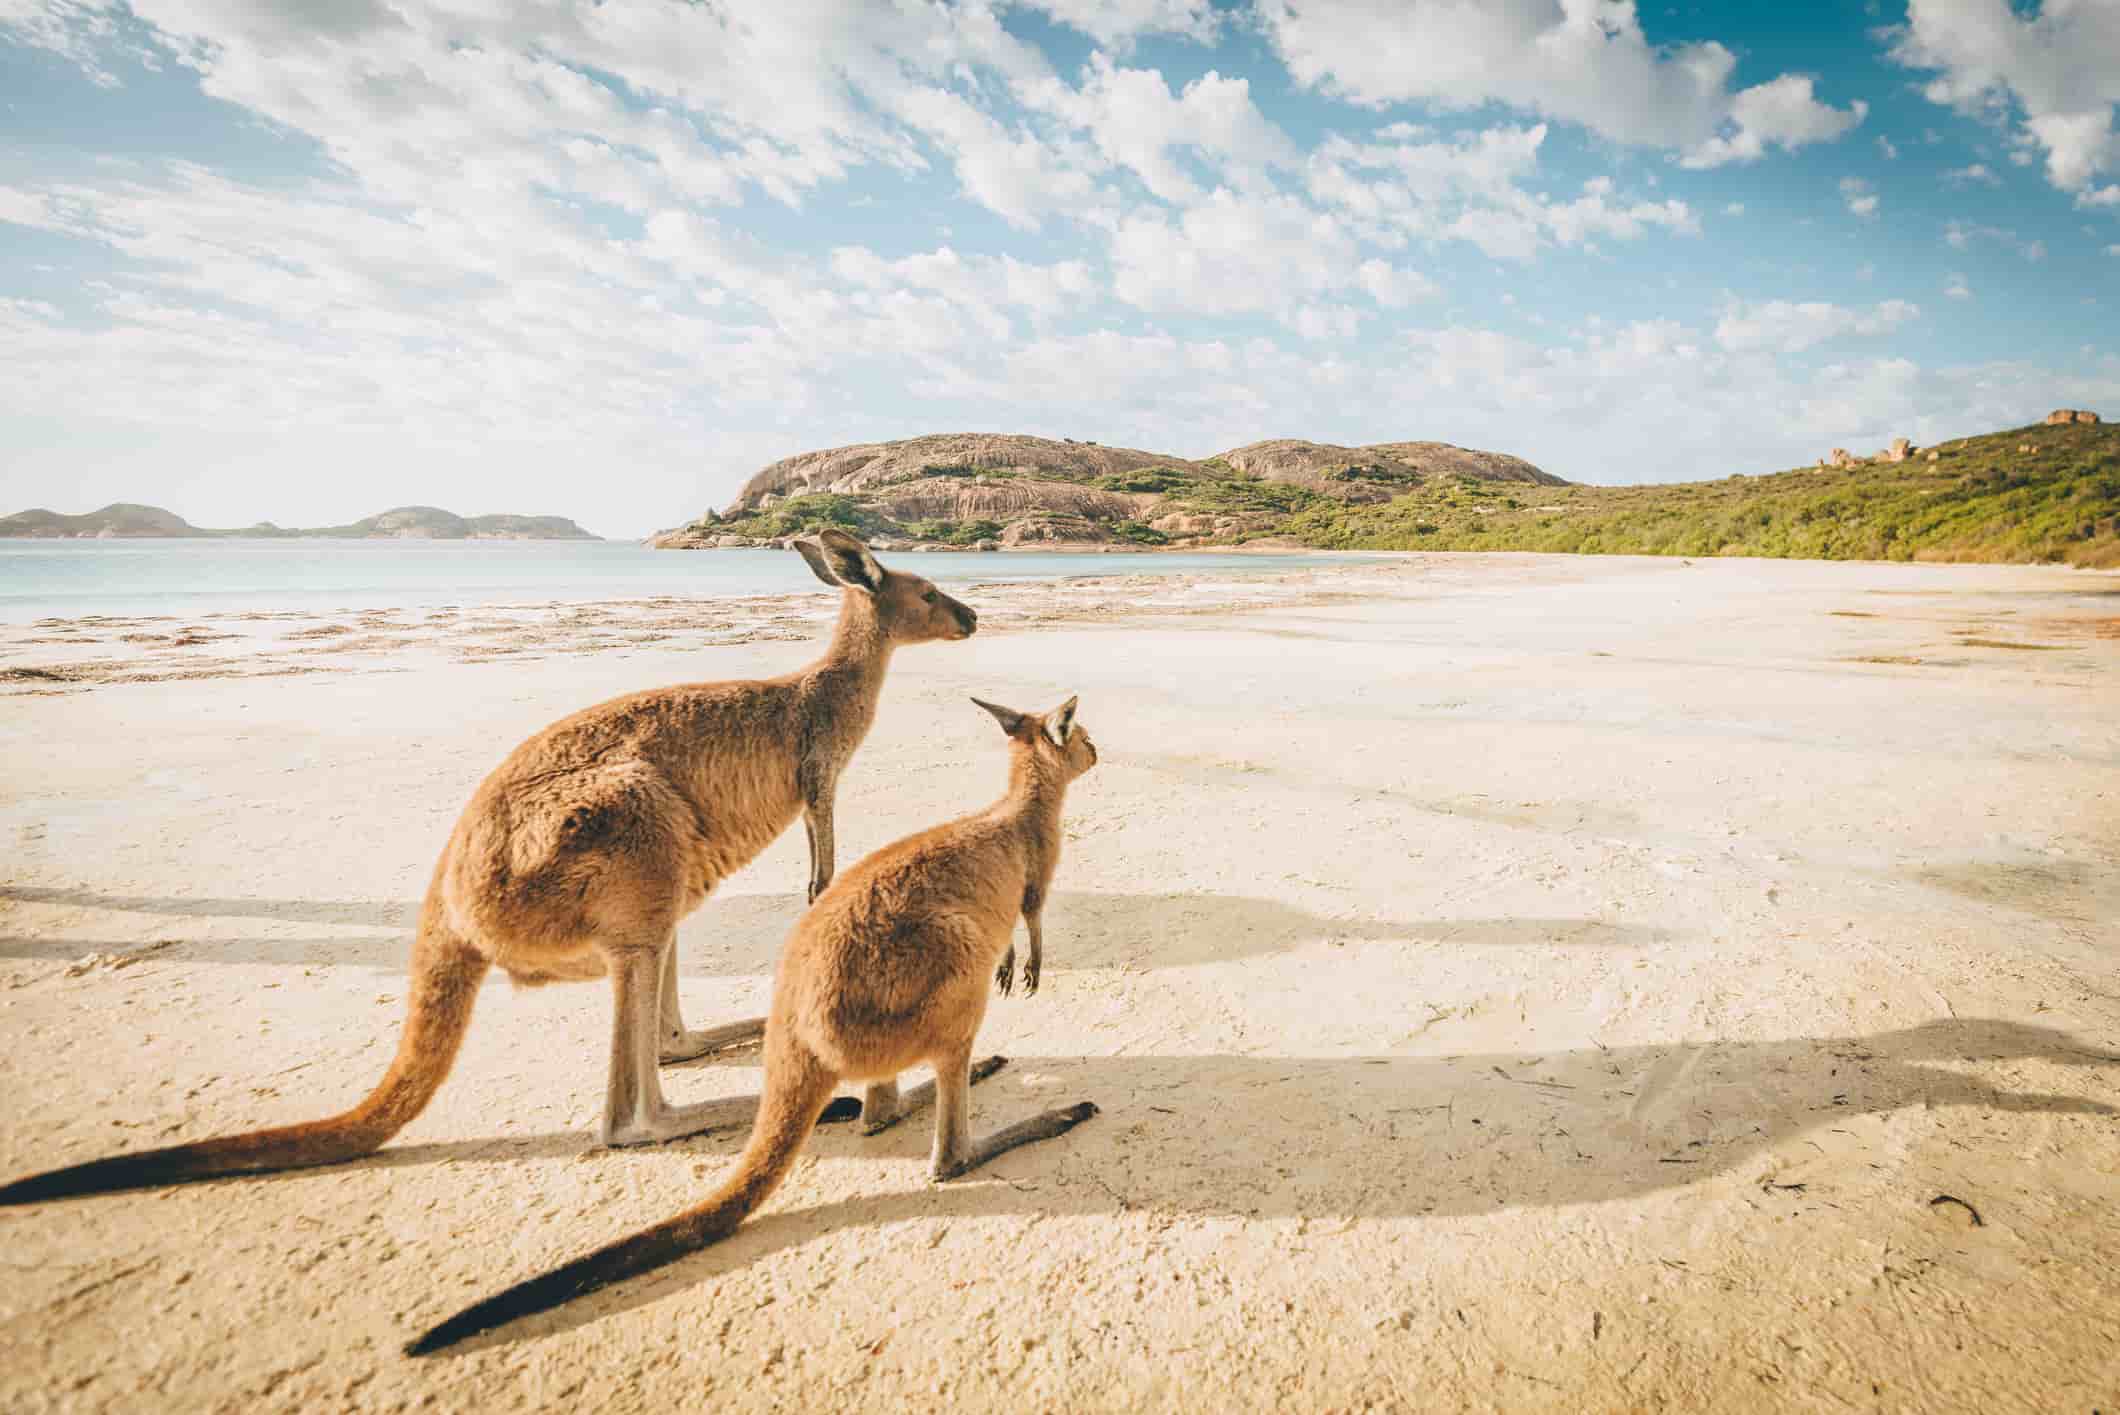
point(1140, 533)
point(1156, 479)
point(1241, 493)
point(1399, 476)
point(954, 532)
point(799, 514)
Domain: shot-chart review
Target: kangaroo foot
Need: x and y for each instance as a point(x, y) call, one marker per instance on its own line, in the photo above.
point(684, 1044)
point(1046, 1125)
point(677, 1121)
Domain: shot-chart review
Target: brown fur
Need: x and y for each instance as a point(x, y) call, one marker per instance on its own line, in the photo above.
point(578, 855)
point(887, 970)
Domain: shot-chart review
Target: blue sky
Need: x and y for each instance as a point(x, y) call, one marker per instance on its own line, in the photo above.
point(299, 260)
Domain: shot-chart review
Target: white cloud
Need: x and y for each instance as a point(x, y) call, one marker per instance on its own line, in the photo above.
point(1585, 62)
point(1861, 200)
point(1137, 123)
point(1954, 286)
point(1319, 322)
point(1735, 208)
point(430, 98)
point(1012, 172)
point(84, 32)
point(1968, 176)
point(1467, 189)
point(980, 284)
point(1394, 287)
point(1115, 22)
point(1961, 235)
point(1790, 327)
point(2054, 72)
point(1592, 214)
point(1885, 146)
point(1232, 254)
point(1782, 113)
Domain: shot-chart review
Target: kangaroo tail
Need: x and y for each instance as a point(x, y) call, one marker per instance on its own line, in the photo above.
point(446, 973)
point(795, 1091)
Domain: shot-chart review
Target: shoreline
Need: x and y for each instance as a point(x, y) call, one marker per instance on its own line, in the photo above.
point(73, 653)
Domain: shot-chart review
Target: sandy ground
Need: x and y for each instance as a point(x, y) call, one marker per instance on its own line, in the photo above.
point(1509, 983)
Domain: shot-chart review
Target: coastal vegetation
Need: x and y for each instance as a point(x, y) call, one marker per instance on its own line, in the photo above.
point(2032, 494)
point(2044, 493)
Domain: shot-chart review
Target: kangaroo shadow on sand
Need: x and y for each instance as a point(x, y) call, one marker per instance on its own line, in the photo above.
point(741, 934)
point(371, 913)
point(1349, 1138)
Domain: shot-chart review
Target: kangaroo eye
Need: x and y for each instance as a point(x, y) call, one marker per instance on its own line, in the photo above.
point(931, 596)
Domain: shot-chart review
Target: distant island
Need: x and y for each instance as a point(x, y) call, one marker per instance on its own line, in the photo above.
point(2049, 492)
point(125, 519)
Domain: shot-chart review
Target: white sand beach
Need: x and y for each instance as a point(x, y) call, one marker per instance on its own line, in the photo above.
point(1508, 982)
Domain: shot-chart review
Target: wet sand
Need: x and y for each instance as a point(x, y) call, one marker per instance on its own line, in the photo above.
point(77, 653)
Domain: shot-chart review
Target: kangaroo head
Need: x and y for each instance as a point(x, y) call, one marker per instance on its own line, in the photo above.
point(1053, 737)
point(908, 609)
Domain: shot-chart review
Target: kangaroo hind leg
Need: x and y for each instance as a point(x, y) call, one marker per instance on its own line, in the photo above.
point(956, 1151)
point(885, 1105)
point(677, 1042)
point(635, 1112)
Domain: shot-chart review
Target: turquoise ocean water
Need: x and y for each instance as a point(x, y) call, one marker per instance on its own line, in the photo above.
point(72, 578)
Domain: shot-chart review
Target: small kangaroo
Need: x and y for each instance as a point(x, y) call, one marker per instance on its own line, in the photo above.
point(577, 857)
point(888, 969)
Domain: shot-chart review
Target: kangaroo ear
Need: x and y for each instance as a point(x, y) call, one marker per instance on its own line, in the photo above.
point(1011, 720)
point(1060, 722)
point(850, 560)
point(814, 554)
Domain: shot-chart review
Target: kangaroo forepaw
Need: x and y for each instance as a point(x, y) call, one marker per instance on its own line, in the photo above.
point(1030, 975)
point(1005, 975)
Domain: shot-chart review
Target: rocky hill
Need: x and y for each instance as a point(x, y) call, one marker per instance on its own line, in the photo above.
point(1378, 471)
point(869, 465)
point(120, 518)
point(125, 519)
point(433, 523)
point(994, 491)
point(2046, 492)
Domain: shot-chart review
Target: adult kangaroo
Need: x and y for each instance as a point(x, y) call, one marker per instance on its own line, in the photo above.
point(578, 856)
point(889, 969)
